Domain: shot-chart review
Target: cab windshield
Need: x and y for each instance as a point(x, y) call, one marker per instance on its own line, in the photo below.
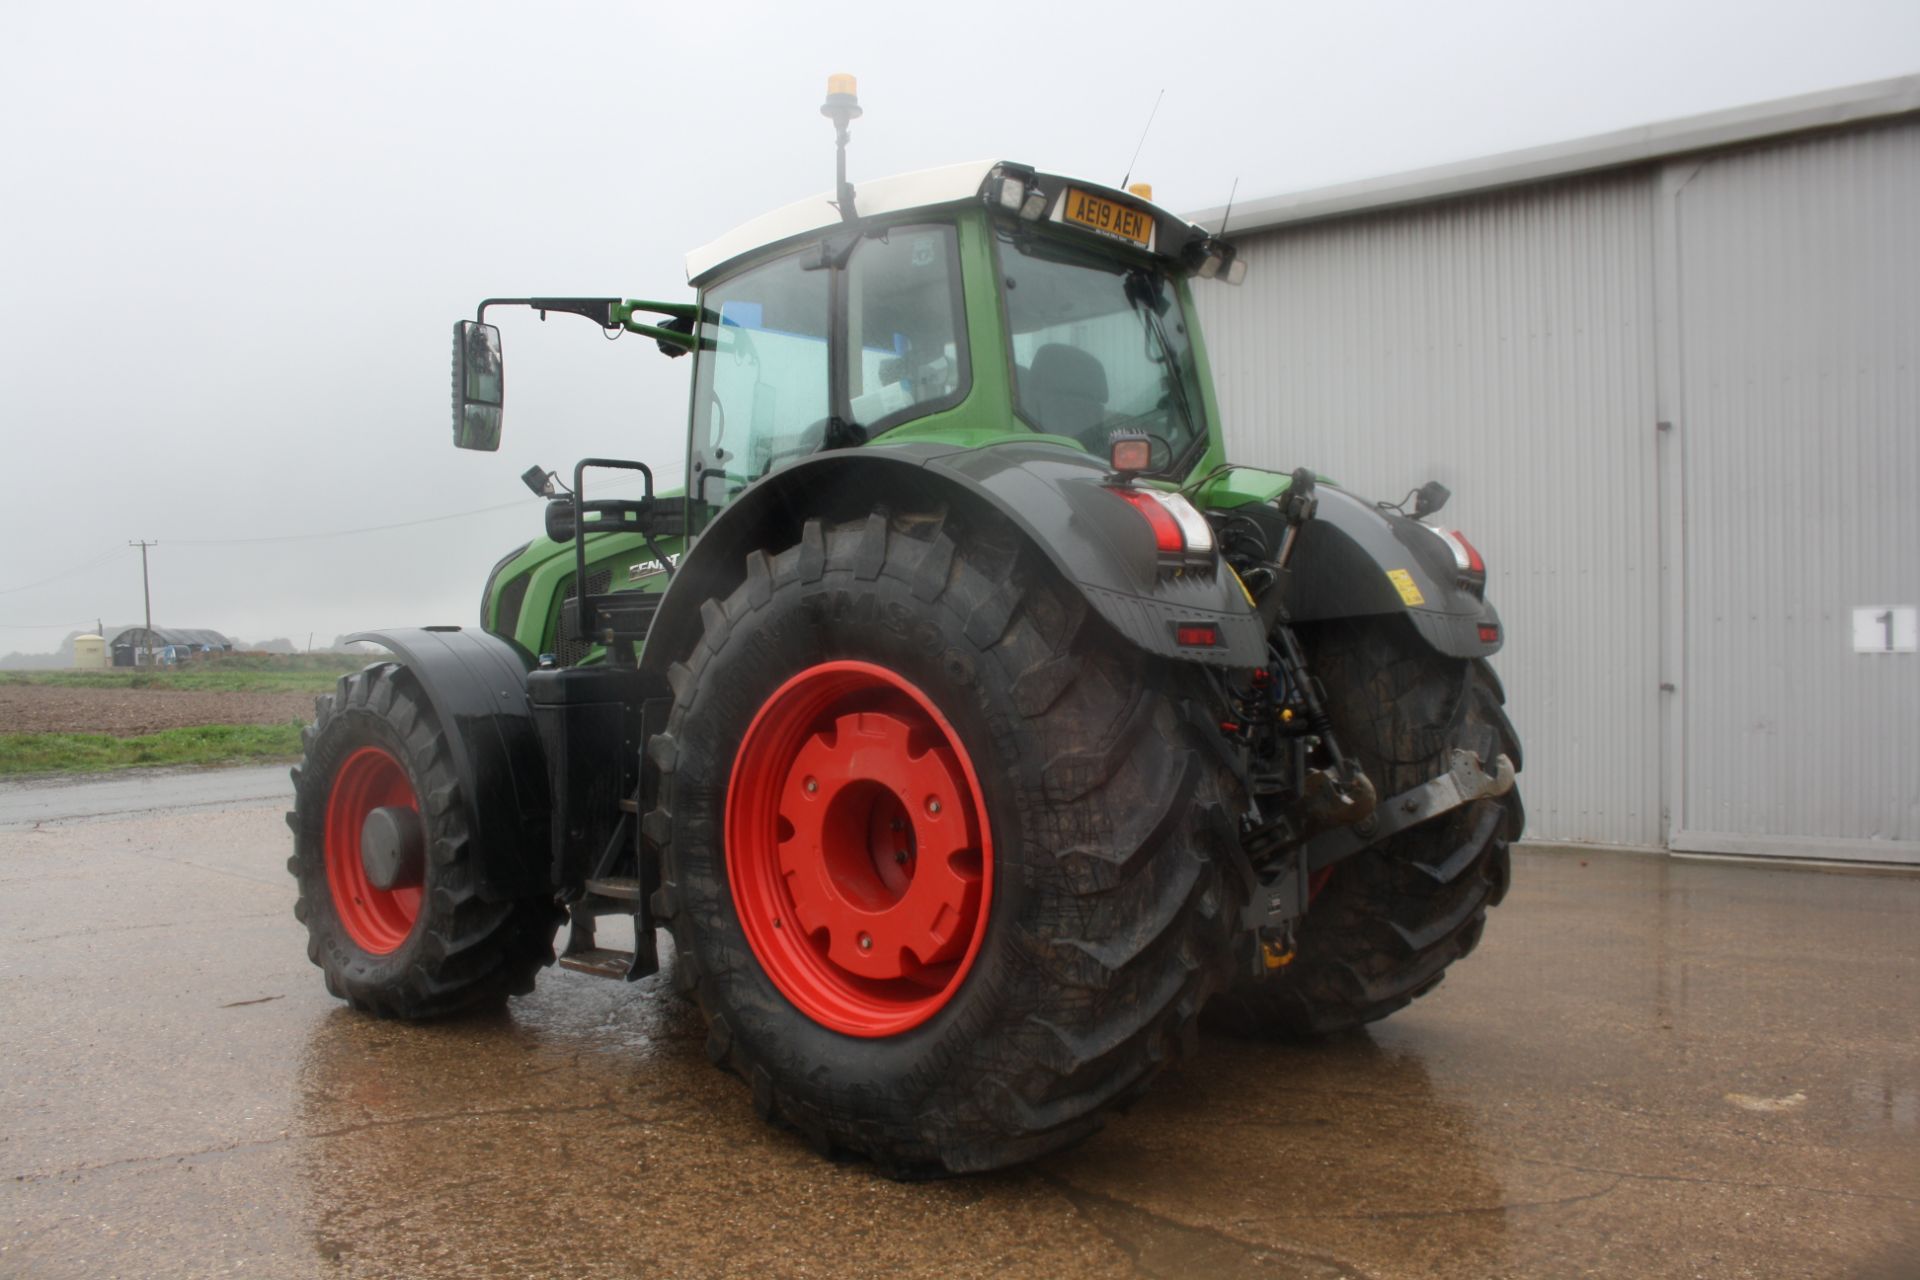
point(1099, 346)
point(833, 344)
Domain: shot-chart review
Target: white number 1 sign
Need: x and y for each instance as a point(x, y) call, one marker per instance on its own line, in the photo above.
point(1886, 628)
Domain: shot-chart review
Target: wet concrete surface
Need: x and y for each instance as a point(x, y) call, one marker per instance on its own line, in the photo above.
point(55, 799)
point(1651, 1067)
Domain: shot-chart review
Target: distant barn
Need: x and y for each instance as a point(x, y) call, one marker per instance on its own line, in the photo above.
point(167, 645)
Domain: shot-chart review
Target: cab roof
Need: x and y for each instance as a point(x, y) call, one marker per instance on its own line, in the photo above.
point(921, 189)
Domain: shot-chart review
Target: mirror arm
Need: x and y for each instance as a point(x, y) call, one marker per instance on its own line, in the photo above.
point(685, 341)
point(598, 310)
point(676, 337)
point(624, 311)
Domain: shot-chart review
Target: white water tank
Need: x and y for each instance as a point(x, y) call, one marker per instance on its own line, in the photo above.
point(89, 651)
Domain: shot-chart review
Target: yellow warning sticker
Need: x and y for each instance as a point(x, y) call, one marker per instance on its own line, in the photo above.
point(1403, 583)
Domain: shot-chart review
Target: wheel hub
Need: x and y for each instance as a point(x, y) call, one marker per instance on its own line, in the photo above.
point(880, 861)
point(393, 847)
point(375, 850)
point(857, 848)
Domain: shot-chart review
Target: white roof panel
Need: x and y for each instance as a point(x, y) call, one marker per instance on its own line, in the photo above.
point(945, 185)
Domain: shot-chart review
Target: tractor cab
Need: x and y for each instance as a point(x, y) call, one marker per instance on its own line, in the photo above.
point(959, 308)
point(976, 302)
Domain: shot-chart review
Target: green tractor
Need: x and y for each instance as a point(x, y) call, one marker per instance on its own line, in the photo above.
point(970, 722)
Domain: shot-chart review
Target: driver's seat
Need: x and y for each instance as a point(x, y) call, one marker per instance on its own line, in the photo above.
point(1065, 390)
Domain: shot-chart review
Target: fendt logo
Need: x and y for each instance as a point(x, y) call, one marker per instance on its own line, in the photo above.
point(647, 568)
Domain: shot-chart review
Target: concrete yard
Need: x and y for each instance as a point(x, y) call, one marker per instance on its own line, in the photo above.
point(1651, 1067)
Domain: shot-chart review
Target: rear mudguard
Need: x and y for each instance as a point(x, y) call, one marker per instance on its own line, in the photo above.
point(1051, 494)
point(1354, 559)
point(477, 685)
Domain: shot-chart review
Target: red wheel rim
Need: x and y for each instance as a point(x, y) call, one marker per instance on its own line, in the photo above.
point(858, 850)
point(378, 920)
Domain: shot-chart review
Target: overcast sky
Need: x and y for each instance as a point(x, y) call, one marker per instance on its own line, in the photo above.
point(234, 238)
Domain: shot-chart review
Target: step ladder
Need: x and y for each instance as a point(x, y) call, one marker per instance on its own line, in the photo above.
point(608, 895)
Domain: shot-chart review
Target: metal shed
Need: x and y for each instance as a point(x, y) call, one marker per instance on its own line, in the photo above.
point(1670, 375)
point(167, 645)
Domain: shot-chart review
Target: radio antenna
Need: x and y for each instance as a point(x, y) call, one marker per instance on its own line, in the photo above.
point(1221, 234)
point(1143, 137)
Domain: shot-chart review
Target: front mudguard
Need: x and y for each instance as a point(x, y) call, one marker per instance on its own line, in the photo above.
point(477, 686)
point(1354, 559)
point(1053, 496)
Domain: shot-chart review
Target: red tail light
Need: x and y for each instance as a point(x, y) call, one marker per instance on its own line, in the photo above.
point(1465, 556)
point(1474, 563)
point(1197, 635)
point(1179, 529)
point(1166, 530)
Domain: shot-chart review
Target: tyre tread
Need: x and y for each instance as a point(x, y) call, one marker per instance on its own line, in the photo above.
point(1134, 937)
point(1393, 917)
point(472, 952)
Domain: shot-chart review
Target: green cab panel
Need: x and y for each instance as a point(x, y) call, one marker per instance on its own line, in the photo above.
point(529, 595)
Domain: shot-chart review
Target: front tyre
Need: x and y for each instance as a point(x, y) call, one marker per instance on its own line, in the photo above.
point(944, 867)
point(387, 886)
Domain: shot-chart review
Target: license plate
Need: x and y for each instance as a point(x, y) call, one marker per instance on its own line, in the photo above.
point(1110, 216)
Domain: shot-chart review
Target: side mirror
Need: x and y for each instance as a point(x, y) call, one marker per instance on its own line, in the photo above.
point(479, 386)
point(1429, 498)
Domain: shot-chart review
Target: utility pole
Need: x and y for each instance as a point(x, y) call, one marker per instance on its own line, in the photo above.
point(146, 592)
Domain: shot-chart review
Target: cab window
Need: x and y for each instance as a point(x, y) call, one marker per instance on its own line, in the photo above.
point(760, 391)
point(1099, 345)
point(906, 352)
point(766, 389)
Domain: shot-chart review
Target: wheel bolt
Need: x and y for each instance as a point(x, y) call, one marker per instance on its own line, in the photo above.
point(933, 804)
point(811, 786)
point(866, 942)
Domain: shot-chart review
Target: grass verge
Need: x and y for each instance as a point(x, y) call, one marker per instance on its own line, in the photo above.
point(314, 673)
point(95, 752)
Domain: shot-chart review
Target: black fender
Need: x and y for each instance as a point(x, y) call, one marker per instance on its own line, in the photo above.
point(1346, 562)
point(477, 685)
point(1052, 494)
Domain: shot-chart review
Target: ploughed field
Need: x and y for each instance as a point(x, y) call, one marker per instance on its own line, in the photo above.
point(128, 712)
point(247, 707)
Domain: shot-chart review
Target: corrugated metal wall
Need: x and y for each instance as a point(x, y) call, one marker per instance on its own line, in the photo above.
point(1521, 346)
point(1504, 346)
point(1800, 430)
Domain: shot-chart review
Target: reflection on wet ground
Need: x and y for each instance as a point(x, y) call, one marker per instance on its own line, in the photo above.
point(1652, 1067)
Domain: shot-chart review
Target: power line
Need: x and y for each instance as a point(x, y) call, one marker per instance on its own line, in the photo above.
point(63, 573)
point(342, 533)
point(521, 503)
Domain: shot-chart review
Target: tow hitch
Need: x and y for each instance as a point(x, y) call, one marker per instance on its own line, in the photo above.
point(1287, 884)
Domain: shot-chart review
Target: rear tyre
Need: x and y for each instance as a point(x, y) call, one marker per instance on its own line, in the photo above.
point(387, 886)
point(944, 869)
point(1385, 924)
